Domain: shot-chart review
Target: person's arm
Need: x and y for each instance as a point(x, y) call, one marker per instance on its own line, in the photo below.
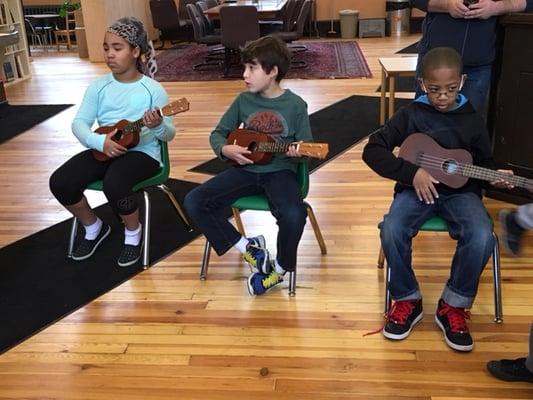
point(489, 8)
point(303, 132)
point(378, 155)
point(228, 123)
point(84, 120)
point(166, 130)
point(455, 8)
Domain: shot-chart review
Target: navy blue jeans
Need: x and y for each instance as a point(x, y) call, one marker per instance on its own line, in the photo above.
point(476, 86)
point(468, 223)
point(205, 205)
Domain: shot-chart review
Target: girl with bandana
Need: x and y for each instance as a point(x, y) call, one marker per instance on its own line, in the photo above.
point(125, 93)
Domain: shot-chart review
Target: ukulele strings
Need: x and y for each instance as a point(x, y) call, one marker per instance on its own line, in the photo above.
point(470, 170)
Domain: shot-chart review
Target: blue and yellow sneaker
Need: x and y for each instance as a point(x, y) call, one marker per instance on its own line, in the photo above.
point(259, 283)
point(257, 255)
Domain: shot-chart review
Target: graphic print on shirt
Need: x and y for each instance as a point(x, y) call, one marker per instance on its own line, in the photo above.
point(269, 122)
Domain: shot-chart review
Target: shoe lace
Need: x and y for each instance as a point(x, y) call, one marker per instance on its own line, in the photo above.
point(398, 313)
point(456, 317)
point(270, 280)
point(251, 256)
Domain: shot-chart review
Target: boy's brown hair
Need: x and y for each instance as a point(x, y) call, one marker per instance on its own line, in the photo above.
point(269, 51)
point(441, 57)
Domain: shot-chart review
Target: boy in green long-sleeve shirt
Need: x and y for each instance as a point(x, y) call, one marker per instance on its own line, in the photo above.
point(267, 108)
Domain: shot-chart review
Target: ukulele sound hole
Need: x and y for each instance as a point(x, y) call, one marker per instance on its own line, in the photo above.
point(252, 147)
point(450, 167)
point(118, 136)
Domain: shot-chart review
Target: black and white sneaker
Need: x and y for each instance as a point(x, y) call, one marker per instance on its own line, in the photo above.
point(130, 254)
point(87, 247)
point(452, 322)
point(401, 319)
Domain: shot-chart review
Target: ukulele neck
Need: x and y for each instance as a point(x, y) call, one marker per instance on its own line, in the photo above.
point(273, 147)
point(136, 126)
point(473, 171)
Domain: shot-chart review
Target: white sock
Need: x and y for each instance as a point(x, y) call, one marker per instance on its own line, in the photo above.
point(278, 268)
point(92, 231)
point(241, 244)
point(133, 237)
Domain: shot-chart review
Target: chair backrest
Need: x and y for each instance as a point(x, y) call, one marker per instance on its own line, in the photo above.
point(211, 3)
point(303, 177)
point(289, 20)
point(238, 24)
point(164, 14)
point(293, 16)
point(202, 6)
point(198, 27)
point(162, 175)
point(183, 14)
point(30, 29)
point(302, 17)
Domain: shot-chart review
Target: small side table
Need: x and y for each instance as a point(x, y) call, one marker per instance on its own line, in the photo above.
point(392, 67)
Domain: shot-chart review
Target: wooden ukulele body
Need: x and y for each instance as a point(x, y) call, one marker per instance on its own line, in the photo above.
point(127, 139)
point(250, 140)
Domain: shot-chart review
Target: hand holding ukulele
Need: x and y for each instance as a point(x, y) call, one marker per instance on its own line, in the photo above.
point(236, 153)
point(113, 149)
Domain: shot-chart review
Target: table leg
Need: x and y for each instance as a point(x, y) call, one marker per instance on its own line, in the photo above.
point(382, 100)
point(392, 89)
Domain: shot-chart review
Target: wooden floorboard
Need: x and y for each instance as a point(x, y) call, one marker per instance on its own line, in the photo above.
point(165, 334)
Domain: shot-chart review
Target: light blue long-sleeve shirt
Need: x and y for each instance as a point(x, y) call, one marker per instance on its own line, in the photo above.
point(108, 101)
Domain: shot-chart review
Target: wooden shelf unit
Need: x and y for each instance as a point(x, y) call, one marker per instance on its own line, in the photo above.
point(12, 18)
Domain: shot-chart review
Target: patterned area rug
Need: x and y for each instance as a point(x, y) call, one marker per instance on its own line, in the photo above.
point(325, 60)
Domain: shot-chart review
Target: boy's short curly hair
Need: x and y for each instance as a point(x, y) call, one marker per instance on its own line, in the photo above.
point(441, 57)
point(269, 51)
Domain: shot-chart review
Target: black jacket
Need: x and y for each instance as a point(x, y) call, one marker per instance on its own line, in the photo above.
point(461, 128)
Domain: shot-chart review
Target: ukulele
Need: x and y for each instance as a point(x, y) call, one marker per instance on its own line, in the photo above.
point(128, 132)
point(262, 146)
point(451, 166)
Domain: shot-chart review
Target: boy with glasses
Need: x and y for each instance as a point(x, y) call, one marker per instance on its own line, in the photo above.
point(449, 118)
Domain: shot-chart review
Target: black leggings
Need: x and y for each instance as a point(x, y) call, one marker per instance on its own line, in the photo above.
point(120, 175)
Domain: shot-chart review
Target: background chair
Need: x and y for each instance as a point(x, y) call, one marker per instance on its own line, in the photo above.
point(437, 224)
point(260, 203)
point(35, 37)
point(165, 18)
point(157, 180)
point(210, 27)
point(211, 3)
point(238, 25)
point(65, 36)
point(297, 32)
point(184, 19)
point(201, 36)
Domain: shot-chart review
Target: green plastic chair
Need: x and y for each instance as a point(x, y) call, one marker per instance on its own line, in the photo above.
point(438, 224)
point(158, 180)
point(260, 203)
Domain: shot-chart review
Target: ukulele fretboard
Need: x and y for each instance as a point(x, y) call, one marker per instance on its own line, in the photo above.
point(273, 147)
point(471, 171)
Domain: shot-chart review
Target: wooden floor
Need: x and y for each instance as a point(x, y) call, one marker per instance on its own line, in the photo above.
point(167, 335)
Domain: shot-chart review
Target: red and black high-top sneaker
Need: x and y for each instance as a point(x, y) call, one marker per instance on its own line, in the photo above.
point(452, 322)
point(401, 319)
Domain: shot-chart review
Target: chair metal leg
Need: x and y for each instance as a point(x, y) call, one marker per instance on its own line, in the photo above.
point(238, 221)
point(205, 260)
point(388, 300)
point(146, 231)
point(73, 231)
point(496, 272)
point(381, 258)
point(292, 283)
point(316, 229)
point(177, 206)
